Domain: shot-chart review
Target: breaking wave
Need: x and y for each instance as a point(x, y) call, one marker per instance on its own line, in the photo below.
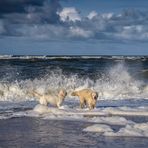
point(115, 83)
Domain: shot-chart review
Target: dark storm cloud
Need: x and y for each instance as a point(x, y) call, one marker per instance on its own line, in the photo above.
point(29, 11)
point(14, 14)
point(18, 16)
point(33, 14)
point(17, 6)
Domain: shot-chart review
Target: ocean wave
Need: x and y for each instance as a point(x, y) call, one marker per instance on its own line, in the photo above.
point(71, 57)
point(116, 83)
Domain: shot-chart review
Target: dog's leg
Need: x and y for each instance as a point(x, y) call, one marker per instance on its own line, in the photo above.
point(59, 104)
point(90, 104)
point(82, 102)
point(43, 101)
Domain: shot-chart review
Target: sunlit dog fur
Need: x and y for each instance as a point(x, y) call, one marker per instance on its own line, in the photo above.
point(87, 97)
point(52, 98)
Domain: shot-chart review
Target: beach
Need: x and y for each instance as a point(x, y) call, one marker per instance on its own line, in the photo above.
point(120, 118)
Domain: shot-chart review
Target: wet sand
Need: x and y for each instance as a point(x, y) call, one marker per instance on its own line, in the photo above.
point(26, 132)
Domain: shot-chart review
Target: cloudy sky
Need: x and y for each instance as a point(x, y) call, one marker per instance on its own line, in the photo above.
point(74, 27)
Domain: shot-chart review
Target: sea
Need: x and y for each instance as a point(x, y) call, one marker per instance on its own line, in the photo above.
point(120, 118)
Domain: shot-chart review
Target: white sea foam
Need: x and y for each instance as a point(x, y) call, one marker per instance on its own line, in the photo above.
point(130, 130)
point(108, 115)
point(41, 109)
point(135, 130)
point(5, 56)
point(101, 128)
point(127, 111)
point(113, 120)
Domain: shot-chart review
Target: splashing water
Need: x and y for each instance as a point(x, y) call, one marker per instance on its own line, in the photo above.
point(115, 83)
point(119, 84)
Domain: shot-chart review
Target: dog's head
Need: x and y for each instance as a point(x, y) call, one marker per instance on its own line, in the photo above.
point(95, 95)
point(94, 99)
point(62, 93)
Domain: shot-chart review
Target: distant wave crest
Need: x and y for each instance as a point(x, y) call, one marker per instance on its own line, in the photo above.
point(71, 57)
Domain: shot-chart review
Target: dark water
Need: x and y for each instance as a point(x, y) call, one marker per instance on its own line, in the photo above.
point(21, 69)
point(35, 132)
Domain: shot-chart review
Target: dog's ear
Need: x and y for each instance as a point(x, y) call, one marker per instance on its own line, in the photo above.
point(73, 94)
point(94, 95)
point(62, 92)
point(65, 93)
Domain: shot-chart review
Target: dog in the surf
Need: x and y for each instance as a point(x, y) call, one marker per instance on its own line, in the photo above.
point(87, 97)
point(55, 99)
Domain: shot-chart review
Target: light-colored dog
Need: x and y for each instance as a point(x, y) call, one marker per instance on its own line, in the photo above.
point(52, 98)
point(87, 97)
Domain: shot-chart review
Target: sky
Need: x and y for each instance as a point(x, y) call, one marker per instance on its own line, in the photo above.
point(74, 27)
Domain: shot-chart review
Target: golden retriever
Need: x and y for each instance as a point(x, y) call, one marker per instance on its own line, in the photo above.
point(52, 98)
point(87, 97)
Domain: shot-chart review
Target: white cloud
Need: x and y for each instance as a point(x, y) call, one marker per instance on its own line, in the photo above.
point(133, 32)
point(80, 32)
point(69, 14)
point(107, 15)
point(92, 14)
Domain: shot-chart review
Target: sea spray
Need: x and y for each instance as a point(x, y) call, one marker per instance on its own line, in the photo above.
point(115, 83)
point(119, 84)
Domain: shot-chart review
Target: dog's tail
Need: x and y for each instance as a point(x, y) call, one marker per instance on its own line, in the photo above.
point(34, 94)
